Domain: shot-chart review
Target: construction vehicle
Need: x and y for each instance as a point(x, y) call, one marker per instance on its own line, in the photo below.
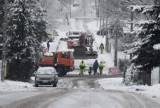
point(62, 61)
point(73, 34)
point(83, 46)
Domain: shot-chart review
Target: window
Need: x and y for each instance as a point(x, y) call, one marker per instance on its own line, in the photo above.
point(64, 55)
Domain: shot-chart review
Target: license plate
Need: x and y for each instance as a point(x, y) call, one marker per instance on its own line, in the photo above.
point(44, 81)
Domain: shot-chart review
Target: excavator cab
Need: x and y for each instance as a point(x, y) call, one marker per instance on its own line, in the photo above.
point(85, 48)
point(86, 39)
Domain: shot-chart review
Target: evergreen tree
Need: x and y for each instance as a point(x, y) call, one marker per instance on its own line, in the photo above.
point(145, 56)
point(24, 39)
point(1, 17)
point(40, 29)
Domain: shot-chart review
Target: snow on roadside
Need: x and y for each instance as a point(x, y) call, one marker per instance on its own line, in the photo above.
point(8, 85)
point(105, 57)
point(116, 84)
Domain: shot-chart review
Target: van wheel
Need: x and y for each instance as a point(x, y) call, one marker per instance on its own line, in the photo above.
point(54, 85)
point(36, 85)
point(61, 71)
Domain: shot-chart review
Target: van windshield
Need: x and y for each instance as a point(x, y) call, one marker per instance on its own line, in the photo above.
point(45, 71)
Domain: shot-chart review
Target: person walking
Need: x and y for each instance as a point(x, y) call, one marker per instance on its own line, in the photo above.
point(101, 47)
point(82, 67)
point(101, 66)
point(48, 46)
point(90, 70)
point(95, 67)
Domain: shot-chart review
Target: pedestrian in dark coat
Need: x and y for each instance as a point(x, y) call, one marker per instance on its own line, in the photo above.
point(48, 45)
point(95, 67)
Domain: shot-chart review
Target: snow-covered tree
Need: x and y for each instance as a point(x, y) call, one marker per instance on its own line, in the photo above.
point(40, 23)
point(25, 32)
point(145, 56)
point(132, 75)
point(1, 20)
point(1, 16)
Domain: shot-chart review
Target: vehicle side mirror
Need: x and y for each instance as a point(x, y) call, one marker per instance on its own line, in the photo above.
point(34, 73)
point(56, 73)
point(67, 34)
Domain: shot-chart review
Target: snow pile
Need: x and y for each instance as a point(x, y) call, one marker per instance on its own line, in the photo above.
point(116, 84)
point(112, 84)
point(8, 85)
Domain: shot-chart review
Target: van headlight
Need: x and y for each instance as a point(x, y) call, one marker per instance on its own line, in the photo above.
point(52, 78)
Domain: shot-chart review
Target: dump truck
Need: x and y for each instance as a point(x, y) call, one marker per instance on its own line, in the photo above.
point(62, 61)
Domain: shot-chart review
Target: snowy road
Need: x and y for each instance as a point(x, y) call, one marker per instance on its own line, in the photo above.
point(77, 92)
point(80, 92)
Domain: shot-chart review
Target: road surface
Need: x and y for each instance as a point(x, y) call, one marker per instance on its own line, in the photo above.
point(75, 92)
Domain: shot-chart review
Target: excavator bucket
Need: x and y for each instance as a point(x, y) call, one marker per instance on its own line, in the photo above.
point(80, 52)
point(91, 54)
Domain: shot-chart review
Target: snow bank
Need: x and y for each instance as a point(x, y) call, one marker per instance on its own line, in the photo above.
point(116, 84)
point(155, 76)
point(8, 85)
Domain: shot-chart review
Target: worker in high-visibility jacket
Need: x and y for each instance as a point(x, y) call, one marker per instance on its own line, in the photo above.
point(82, 67)
point(101, 66)
point(101, 47)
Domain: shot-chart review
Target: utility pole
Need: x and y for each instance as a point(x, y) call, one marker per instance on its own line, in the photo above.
point(107, 39)
point(70, 9)
point(100, 15)
point(131, 21)
point(84, 7)
point(116, 44)
point(118, 32)
point(103, 18)
point(4, 42)
point(97, 10)
point(131, 26)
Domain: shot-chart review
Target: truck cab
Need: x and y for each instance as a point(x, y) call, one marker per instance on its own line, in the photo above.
point(62, 61)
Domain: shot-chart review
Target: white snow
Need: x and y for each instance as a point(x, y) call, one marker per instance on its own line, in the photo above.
point(84, 99)
point(116, 84)
point(155, 76)
point(76, 25)
point(106, 83)
point(8, 85)
point(156, 47)
point(105, 57)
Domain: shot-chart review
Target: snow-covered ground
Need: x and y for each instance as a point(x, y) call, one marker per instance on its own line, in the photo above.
point(116, 84)
point(106, 57)
point(106, 84)
point(109, 96)
point(10, 86)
